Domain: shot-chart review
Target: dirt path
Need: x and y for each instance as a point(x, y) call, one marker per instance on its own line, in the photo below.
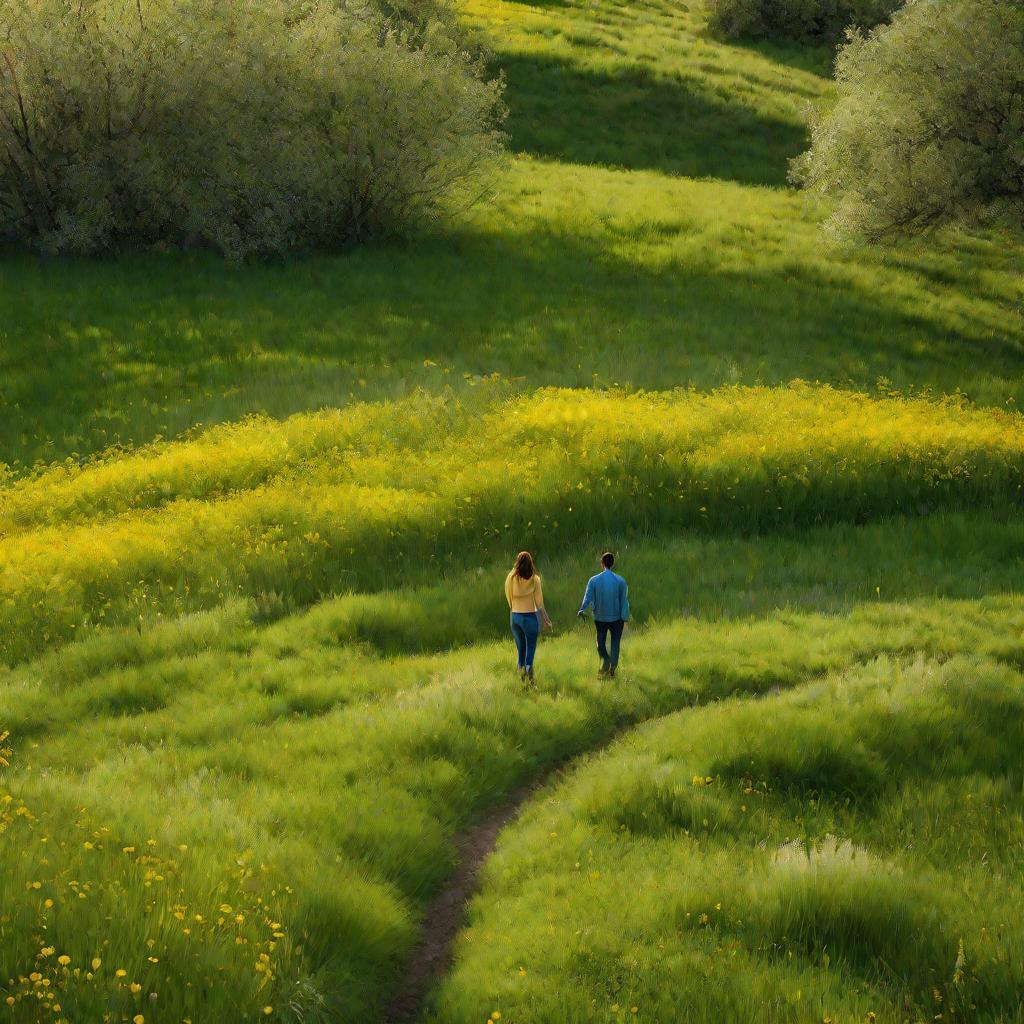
point(446, 914)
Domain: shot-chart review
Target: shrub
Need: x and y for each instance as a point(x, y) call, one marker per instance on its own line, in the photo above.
point(808, 20)
point(928, 123)
point(246, 127)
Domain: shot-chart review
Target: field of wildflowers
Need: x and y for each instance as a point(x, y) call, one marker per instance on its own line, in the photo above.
point(285, 514)
point(231, 785)
point(246, 819)
point(255, 680)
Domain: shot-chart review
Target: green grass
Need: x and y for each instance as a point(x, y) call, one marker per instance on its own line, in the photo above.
point(286, 514)
point(316, 764)
point(262, 664)
point(843, 851)
point(594, 261)
point(205, 734)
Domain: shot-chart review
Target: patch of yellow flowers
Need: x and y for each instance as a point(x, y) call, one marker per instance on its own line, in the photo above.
point(109, 932)
point(322, 500)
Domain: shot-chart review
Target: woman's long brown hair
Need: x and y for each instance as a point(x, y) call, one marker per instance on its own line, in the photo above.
point(524, 565)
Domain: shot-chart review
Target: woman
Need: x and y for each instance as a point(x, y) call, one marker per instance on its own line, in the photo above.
point(526, 601)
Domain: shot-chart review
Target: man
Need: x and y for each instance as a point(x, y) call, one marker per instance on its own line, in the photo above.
point(607, 597)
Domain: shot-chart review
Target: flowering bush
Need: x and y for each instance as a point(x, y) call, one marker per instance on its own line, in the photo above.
point(253, 127)
point(926, 128)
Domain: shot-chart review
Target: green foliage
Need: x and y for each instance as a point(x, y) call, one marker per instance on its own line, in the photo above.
point(928, 122)
point(804, 20)
point(312, 768)
point(245, 129)
point(573, 276)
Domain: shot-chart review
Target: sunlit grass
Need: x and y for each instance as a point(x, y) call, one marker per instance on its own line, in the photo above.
point(642, 235)
point(844, 852)
point(254, 667)
point(206, 738)
point(340, 502)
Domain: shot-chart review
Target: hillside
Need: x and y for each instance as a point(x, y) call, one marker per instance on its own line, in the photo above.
point(642, 237)
point(254, 663)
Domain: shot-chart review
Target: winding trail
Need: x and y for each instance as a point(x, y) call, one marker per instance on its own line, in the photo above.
point(446, 914)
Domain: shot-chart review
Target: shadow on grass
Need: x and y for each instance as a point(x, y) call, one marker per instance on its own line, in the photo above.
point(635, 119)
point(97, 353)
point(814, 58)
point(547, 4)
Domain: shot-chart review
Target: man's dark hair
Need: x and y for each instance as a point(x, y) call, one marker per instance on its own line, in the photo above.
point(607, 559)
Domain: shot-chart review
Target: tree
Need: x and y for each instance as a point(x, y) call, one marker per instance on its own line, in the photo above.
point(928, 125)
point(258, 127)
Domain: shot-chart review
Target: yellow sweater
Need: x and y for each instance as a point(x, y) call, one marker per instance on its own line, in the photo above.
point(523, 595)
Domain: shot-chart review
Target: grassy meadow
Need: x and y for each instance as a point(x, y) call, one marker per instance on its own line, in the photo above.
point(846, 849)
point(641, 236)
point(255, 678)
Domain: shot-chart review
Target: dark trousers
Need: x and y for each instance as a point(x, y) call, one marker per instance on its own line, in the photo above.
point(525, 629)
point(609, 662)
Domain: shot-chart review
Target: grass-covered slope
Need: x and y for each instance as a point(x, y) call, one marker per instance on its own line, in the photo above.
point(240, 818)
point(255, 669)
point(642, 237)
point(361, 500)
point(847, 851)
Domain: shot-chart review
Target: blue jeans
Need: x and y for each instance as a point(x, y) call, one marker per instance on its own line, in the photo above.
point(525, 629)
point(609, 662)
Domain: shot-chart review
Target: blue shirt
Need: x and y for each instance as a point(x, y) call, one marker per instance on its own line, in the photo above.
point(608, 596)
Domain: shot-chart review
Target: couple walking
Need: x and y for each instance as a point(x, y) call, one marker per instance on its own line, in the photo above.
point(606, 598)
